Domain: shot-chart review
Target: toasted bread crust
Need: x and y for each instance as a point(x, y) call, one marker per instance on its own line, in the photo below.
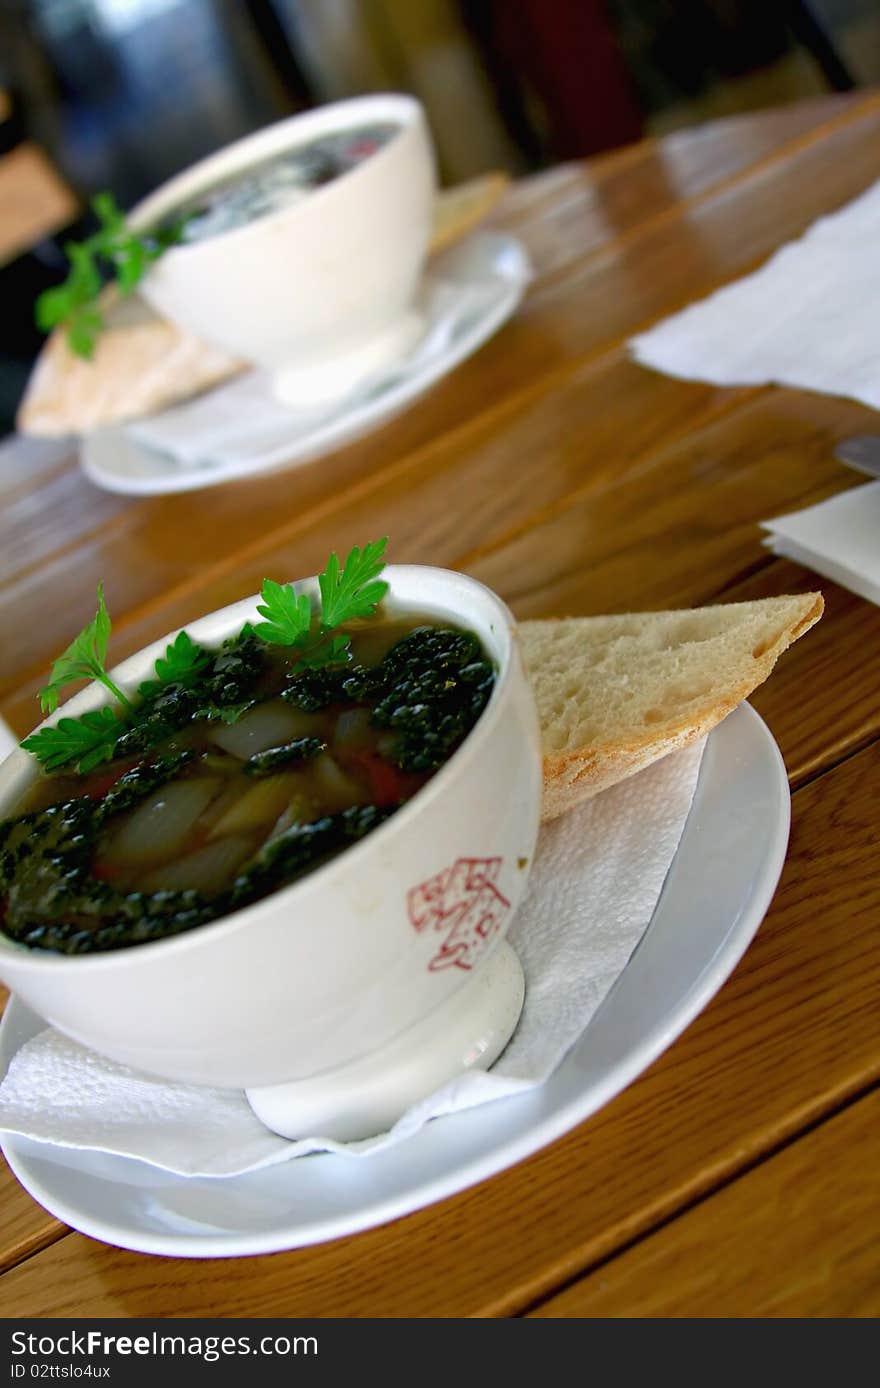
point(461, 208)
point(618, 748)
point(142, 363)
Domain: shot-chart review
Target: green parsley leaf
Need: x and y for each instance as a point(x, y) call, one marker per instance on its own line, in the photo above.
point(83, 328)
point(131, 260)
point(353, 593)
point(108, 212)
point(52, 307)
point(84, 273)
point(84, 658)
point(183, 663)
point(112, 252)
point(289, 617)
point(87, 740)
point(336, 651)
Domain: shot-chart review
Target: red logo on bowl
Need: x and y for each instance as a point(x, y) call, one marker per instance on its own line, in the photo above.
point(463, 904)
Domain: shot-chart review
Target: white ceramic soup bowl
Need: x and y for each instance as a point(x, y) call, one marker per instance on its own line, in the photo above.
point(335, 966)
point(320, 293)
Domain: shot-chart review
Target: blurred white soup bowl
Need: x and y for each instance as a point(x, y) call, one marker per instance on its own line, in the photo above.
point(319, 293)
point(339, 964)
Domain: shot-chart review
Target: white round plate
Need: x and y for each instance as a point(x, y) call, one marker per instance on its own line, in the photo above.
point(719, 886)
point(469, 292)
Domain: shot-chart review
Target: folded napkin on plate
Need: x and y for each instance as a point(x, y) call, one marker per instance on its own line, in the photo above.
point(839, 538)
point(8, 740)
point(597, 877)
point(243, 422)
point(808, 318)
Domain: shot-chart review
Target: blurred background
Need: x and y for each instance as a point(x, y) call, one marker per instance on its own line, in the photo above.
point(121, 94)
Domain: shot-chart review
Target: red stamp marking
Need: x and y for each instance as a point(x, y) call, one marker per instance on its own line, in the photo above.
point(463, 904)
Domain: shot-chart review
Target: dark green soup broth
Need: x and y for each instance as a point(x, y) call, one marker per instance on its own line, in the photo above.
point(281, 180)
point(226, 788)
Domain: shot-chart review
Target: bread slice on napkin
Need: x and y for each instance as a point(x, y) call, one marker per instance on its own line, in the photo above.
point(143, 363)
point(616, 693)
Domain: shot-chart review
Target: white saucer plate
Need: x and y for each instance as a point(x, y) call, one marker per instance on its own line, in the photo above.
point(491, 264)
point(719, 886)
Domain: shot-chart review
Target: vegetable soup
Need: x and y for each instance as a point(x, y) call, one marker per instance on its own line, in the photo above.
point(279, 181)
point(232, 776)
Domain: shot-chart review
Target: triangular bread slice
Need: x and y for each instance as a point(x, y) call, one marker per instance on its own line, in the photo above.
point(616, 693)
point(142, 363)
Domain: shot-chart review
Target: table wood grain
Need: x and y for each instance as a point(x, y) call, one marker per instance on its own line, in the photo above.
point(756, 1240)
point(573, 481)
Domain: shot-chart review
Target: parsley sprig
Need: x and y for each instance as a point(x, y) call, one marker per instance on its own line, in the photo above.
point(349, 593)
point(114, 252)
point(183, 663)
point(84, 657)
point(354, 592)
point(88, 741)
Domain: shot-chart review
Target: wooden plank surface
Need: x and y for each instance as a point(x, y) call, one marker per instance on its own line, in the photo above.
point(789, 1038)
point(159, 566)
point(572, 481)
point(679, 528)
point(25, 1227)
point(796, 1237)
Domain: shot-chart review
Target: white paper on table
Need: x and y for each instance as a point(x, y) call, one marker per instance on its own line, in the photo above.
point(839, 538)
point(808, 318)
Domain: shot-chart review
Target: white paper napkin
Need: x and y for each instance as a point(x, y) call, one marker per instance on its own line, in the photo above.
point(8, 740)
point(808, 318)
point(243, 422)
point(839, 538)
point(597, 877)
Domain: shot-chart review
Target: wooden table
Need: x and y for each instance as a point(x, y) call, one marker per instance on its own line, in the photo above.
point(737, 1177)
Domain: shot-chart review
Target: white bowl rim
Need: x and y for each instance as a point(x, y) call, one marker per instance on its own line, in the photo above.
point(241, 154)
point(36, 961)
